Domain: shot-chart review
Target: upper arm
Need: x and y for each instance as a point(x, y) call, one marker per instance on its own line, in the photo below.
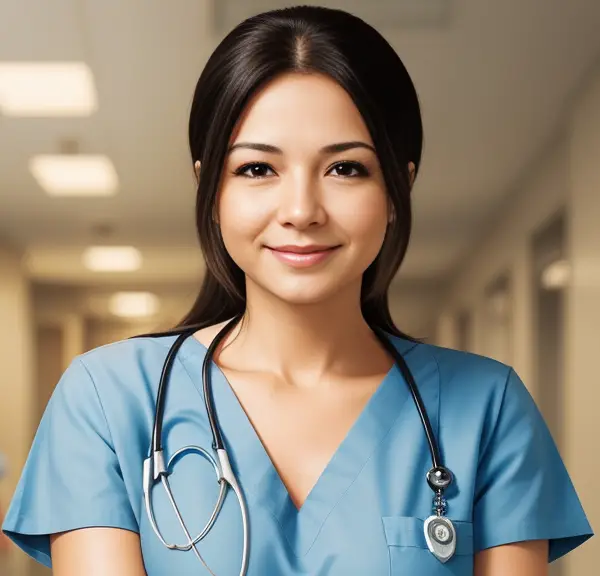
point(521, 559)
point(96, 552)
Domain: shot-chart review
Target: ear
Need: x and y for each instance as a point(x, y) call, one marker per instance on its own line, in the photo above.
point(197, 170)
point(411, 173)
point(391, 212)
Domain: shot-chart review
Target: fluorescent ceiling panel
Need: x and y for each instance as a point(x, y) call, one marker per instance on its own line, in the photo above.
point(133, 304)
point(74, 174)
point(112, 259)
point(42, 89)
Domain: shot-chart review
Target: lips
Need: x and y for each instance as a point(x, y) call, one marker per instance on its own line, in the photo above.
point(309, 249)
point(302, 256)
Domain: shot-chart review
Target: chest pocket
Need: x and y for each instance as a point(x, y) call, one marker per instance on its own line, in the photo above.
point(410, 556)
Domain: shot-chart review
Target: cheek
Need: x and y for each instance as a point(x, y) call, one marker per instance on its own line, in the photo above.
point(242, 216)
point(366, 223)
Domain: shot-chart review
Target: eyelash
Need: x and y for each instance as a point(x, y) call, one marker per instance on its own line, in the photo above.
point(361, 170)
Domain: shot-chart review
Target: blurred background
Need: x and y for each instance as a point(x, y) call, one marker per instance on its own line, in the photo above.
point(97, 237)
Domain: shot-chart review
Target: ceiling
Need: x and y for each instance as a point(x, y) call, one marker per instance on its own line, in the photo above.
point(494, 79)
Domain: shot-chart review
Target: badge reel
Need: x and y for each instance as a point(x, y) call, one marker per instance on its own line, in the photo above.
point(440, 534)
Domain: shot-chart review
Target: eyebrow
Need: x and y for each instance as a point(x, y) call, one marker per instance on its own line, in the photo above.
point(329, 149)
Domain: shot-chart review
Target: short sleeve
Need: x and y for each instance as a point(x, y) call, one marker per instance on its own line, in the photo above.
point(523, 489)
point(72, 477)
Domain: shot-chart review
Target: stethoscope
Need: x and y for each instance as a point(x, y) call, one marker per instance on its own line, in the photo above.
point(439, 531)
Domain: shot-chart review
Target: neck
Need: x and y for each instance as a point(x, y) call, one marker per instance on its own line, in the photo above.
point(305, 342)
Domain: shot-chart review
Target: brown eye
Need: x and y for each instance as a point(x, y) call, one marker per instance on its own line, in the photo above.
point(349, 170)
point(254, 170)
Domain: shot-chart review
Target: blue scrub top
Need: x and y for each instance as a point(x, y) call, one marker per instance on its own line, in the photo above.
point(365, 514)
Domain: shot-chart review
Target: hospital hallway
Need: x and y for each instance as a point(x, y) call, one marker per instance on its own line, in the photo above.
point(97, 197)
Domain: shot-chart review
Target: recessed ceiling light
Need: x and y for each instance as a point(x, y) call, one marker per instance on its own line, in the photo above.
point(47, 89)
point(112, 258)
point(74, 174)
point(133, 304)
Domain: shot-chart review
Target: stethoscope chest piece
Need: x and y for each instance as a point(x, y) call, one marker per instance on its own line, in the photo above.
point(440, 536)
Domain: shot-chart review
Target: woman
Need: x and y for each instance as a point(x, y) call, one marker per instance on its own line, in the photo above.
point(305, 134)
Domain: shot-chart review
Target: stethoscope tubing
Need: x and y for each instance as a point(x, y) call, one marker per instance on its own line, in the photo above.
point(155, 468)
point(217, 436)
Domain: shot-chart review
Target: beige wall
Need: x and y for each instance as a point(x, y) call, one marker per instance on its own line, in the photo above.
point(583, 316)
point(567, 177)
point(17, 398)
point(49, 350)
point(414, 308)
point(506, 249)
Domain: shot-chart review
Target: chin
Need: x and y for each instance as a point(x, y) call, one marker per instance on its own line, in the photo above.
point(303, 299)
point(305, 293)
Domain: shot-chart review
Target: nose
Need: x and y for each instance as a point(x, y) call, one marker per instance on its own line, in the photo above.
point(301, 203)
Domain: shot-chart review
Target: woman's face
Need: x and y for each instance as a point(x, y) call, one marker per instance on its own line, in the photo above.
point(303, 207)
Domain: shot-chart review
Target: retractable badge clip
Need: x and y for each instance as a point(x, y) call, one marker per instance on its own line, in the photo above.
point(440, 534)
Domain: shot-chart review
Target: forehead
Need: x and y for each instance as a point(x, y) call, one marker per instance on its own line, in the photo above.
point(295, 107)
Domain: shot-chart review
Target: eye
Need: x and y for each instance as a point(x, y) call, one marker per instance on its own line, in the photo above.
point(348, 169)
point(254, 170)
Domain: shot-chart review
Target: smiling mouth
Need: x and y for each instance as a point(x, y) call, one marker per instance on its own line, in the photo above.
point(302, 256)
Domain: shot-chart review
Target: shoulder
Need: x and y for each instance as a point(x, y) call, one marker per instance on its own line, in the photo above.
point(113, 389)
point(125, 356)
point(469, 384)
point(488, 399)
point(121, 364)
point(123, 375)
point(457, 370)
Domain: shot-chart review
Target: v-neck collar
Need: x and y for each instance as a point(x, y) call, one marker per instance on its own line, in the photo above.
point(255, 471)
